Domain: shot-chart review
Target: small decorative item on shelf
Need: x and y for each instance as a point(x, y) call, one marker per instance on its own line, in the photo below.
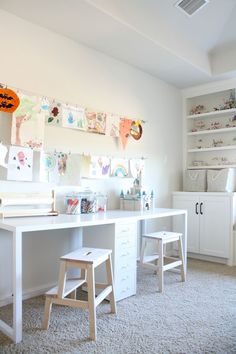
point(200, 125)
point(197, 109)
point(199, 142)
point(215, 125)
point(198, 163)
point(217, 143)
point(228, 104)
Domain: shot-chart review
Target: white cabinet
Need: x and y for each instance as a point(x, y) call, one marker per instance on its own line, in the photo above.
point(210, 123)
point(121, 238)
point(210, 222)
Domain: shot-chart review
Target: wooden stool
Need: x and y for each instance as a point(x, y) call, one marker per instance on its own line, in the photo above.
point(87, 259)
point(162, 239)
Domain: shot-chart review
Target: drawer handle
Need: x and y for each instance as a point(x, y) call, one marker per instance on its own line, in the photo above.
point(196, 208)
point(201, 204)
point(125, 230)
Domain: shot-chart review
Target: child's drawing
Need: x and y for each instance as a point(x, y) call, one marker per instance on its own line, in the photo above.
point(20, 164)
point(28, 123)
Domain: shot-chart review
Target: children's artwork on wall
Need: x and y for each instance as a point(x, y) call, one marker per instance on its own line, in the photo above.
point(74, 117)
point(99, 167)
point(28, 123)
point(49, 168)
point(20, 164)
point(96, 122)
point(9, 100)
point(125, 126)
point(137, 167)
point(71, 177)
point(54, 116)
point(136, 129)
point(113, 125)
point(119, 167)
point(85, 166)
point(3, 154)
point(61, 163)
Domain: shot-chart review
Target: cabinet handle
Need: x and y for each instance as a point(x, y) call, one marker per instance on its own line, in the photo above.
point(201, 204)
point(196, 208)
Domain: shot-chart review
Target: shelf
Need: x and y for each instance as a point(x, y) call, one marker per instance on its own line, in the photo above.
point(214, 113)
point(210, 167)
point(228, 147)
point(212, 131)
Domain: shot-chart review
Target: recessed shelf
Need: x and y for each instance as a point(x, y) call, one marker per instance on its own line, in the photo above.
point(213, 113)
point(228, 147)
point(212, 131)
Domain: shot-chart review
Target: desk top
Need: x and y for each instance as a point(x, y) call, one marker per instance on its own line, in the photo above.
point(64, 221)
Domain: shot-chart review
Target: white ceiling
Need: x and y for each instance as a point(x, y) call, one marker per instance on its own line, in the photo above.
point(152, 35)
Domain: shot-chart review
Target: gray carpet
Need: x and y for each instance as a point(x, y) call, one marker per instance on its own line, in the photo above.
point(198, 316)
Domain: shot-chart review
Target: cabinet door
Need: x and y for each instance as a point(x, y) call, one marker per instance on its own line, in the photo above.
point(190, 203)
point(215, 226)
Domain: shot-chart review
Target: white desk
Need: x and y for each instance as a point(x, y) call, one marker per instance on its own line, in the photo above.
point(18, 226)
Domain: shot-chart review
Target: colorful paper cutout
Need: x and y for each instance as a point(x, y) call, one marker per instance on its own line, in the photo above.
point(9, 100)
point(74, 117)
point(28, 123)
point(20, 164)
point(119, 168)
point(136, 129)
point(99, 167)
point(125, 125)
point(137, 167)
point(54, 116)
point(96, 122)
point(113, 125)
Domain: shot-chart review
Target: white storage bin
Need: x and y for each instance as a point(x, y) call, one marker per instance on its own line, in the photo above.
point(195, 181)
point(220, 180)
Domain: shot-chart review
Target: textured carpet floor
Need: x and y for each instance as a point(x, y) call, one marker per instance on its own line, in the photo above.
point(198, 316)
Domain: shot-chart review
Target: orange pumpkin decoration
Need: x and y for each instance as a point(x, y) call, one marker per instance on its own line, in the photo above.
point(9, 101)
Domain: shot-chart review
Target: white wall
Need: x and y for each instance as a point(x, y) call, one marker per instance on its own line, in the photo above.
point(43, 62)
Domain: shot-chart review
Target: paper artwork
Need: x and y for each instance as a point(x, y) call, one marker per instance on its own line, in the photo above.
point(9, 100)
point(113, 125)
point(28, 123)
point(119, 167)
point(54, 116)
point(137, 167)
point(49, 170)
point(85, 166)
point(20, 164)
point(74, 117)
point(99, 167)
point(96, 122)
point(3, 154)
point(71, 177)
point(125, 126)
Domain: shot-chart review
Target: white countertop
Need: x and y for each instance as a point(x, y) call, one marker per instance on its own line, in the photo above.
point(63, 221)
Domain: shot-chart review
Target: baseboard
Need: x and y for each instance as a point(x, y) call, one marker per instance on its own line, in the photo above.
point(27, 294)
point(208, 258)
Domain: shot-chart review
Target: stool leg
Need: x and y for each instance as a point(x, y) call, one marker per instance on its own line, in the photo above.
point(181, 256)
point(110, 282)
point(62, 279)
point(142, 250)
point(160, 266)
point(91, 302)
point(47, 312)
point(73, 294)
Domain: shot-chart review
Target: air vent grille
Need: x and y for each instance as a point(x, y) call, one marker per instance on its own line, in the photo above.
point(190, 7)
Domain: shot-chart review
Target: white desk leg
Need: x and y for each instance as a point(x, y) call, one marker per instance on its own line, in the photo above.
point(17, 286)
point(143, 232)
point(185, 236)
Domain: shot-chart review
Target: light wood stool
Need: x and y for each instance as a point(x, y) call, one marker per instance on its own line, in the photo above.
point(162, 238)
point(87, 259)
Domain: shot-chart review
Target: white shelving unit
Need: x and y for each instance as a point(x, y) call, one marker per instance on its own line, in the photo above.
point(211, 131)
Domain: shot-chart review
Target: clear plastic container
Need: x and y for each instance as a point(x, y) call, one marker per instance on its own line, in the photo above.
point(73, 204)
point(101, 202)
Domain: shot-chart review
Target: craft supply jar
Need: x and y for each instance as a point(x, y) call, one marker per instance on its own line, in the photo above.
point(73, 204)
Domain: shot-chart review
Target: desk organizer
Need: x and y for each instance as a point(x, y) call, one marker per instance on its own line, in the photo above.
point(25, 204)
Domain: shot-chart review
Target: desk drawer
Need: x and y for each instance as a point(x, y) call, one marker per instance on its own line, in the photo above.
point(126, 229)
point(125, 283)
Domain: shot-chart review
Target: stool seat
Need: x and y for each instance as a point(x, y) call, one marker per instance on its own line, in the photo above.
point(156, 261)
point(87, 259)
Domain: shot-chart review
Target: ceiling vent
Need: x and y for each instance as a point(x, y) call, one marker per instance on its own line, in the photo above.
point(190, 7)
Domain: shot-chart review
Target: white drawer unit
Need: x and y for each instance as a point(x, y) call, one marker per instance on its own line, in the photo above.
point(122, 241)
point(125, 257)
